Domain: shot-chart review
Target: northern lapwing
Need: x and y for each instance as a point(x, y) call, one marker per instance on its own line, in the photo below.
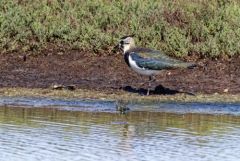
point(146, 61)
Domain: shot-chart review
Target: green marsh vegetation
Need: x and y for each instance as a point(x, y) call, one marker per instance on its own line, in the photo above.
point(210, 28)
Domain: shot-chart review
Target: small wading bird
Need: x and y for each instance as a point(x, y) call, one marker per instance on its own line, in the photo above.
point(147, 61)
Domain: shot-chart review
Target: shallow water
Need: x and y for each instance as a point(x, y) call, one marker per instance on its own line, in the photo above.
point(90, 130)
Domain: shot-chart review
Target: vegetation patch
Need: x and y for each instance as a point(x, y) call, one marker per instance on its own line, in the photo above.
point(180, 28)
point(118, 95)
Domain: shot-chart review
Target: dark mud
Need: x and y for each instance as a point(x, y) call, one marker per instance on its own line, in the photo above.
point(110, 73)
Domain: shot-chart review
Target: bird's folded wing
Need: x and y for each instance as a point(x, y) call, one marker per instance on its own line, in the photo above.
point(156, 61)
point(155, 54)
point(150, 63)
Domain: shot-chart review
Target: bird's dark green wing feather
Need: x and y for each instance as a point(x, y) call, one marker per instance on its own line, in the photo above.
point(150, 63)
point(155, 60)
point(155, 54)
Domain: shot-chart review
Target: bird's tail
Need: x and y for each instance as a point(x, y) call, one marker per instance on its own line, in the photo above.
point(191, 65)
point(187, 65)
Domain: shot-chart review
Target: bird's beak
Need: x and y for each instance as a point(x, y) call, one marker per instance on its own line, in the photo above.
point(116, 48)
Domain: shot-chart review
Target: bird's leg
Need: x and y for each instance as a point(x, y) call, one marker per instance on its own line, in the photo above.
point(142, 83)
point(149, 84)
point(151, 79)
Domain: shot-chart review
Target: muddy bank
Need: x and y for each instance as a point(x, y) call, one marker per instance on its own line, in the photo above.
point(110, 74)
point(118, 96)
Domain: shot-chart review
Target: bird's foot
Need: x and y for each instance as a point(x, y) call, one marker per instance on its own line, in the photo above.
point(147, 94)
point(142, 93)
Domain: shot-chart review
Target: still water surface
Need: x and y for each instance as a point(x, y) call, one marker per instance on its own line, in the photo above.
point(61, 134)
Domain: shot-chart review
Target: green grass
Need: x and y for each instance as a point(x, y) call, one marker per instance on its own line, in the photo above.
point(209, 28)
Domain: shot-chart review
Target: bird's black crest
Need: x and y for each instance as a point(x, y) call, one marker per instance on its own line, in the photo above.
point(124, 37)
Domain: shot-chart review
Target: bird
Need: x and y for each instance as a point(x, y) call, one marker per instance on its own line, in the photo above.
point(148, 62)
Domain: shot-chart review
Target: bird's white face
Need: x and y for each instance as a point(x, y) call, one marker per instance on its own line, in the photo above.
point(126, 44)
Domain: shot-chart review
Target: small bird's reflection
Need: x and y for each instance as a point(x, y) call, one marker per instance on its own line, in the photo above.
point(121, 106)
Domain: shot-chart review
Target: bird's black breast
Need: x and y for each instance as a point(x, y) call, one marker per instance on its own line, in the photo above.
point(126, 56)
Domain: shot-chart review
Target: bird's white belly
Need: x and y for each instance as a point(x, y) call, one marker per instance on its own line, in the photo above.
point(142, 71)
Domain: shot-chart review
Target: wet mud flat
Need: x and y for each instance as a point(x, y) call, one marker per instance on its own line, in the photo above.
point(109, 72)
point(119, 95)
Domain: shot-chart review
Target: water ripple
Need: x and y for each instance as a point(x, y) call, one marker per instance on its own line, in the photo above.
point(49, 134)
